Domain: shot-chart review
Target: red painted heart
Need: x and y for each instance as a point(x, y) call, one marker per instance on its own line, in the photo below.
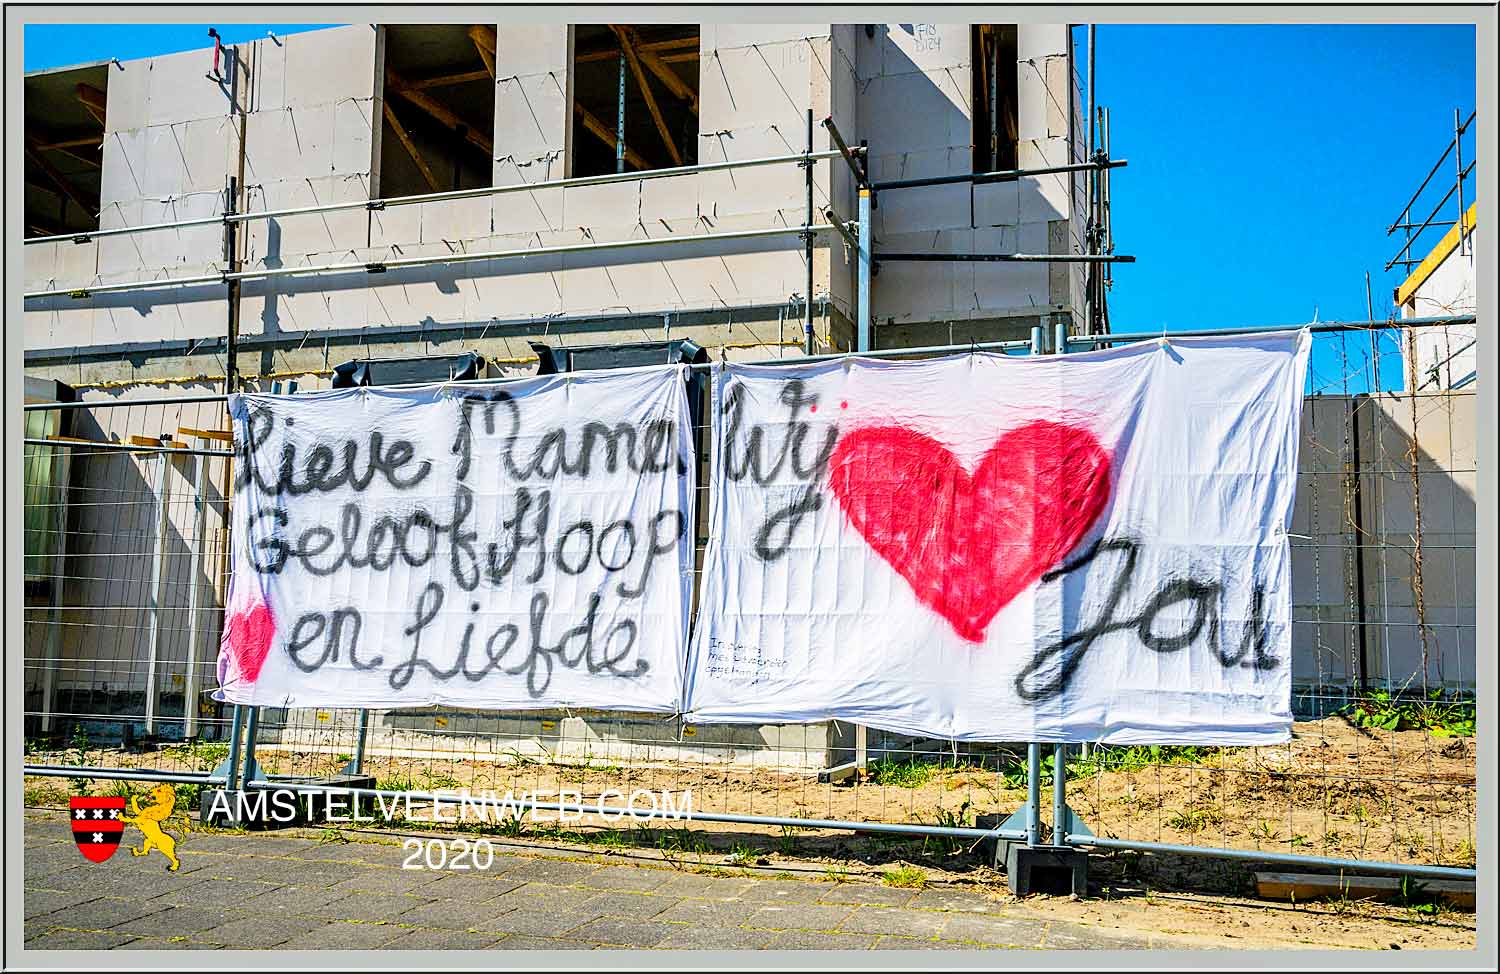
point(248, 635)
point(969, 544)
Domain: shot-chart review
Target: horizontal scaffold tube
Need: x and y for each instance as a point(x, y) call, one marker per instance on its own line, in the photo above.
point(381, 266)
point(84, 236)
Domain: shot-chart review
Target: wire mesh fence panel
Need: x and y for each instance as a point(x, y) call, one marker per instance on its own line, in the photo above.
point(126, 573)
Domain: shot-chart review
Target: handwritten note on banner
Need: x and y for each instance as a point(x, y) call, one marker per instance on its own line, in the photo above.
point(509, 546)
point(982, 547)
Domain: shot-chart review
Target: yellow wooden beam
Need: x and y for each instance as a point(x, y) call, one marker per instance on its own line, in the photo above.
point(221, 436)
point(1433, 260)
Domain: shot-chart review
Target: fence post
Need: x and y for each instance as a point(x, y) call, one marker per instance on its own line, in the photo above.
point(1059, 794)
point(197, 557)
point(250, 772)
point(1033, 794)
point(232, 762)
point(154, 606)
point(58, 465)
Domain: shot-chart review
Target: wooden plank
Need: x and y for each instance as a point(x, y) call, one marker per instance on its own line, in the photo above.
point(592, 123)
point(92, 99)
point(1310, 886)
point(411, 147)
point(222, 436)
point(397, 84)
point(685, 48)
point(484, 42)
point(667, 76)
point(640, 79)
point(58, 178)
point(446, 80)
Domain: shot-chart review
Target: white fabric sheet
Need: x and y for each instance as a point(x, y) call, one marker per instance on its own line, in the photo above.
point(509, 546)
point(983, 547)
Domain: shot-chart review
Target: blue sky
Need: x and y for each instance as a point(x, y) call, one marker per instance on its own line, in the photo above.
point(1266, 163)
point(1265, 160)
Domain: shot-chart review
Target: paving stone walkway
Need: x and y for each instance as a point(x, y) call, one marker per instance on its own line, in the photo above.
point(270, 890)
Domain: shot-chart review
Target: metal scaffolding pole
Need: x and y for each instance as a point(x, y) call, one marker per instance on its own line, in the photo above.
point(865, 235)
point(572, 182)
point(379, 267)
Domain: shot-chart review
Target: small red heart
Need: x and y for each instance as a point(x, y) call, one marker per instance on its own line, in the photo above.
point(248, 635)
point(969, 544)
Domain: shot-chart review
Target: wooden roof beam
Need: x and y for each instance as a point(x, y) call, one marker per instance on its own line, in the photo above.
point(398, 85)
point(61, 181)
point(604, 132)
point(411, 147)
point(483, 37)
point(640, 79)
point(668, 77)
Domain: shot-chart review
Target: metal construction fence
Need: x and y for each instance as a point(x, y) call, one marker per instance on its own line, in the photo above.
point(126, 504)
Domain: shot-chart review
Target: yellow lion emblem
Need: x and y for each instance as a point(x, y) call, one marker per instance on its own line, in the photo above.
point(149, 821)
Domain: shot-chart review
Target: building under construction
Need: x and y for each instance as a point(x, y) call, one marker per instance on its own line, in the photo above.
point(382, 203)
point(395, 190)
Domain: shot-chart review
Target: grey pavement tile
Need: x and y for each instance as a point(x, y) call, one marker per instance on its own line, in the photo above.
point(558, 872)
point(810, 940)
point(692, 936)
point(446, 915)
point(78, 940)
point(101, 914)
point(292, 900)
point(316, 872)
point(367, 907)
point(864, 894)
point(476, 887)
point(642, 906)
point(955, 900)
point(914, 943)
point(441, 940)
point(994, 931)
point(40, 902)
point(370, 853)
point(623, 932)
point(542, 896)
point(172, 943)
point(384, 879)
point(338, 935)
point(798, 916)
point(179, 921)
point(271, 869)
point(782, 891)
point(258, 931)
point(716, 913)
point(693, 886)
point(534, 923)
point(216, 892)
point(523, 942)
point(894, 922)
point(636, 878)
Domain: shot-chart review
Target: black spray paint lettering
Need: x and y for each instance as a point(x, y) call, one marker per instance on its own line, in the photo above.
point(596, 654)
point(325, 467)
point(645, 450)
point(751, 460)
point(1033, 684)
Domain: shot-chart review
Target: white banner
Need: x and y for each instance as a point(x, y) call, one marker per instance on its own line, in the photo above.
point(983, 547)
point(510, 546)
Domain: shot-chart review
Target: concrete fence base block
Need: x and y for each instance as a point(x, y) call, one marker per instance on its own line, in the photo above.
point(1047, 869)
